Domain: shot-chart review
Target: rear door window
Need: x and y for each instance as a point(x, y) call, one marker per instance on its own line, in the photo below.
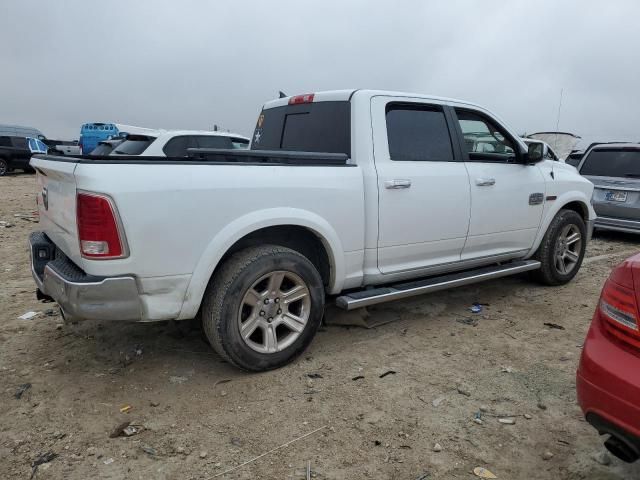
point(20, 142)
point(210, 141)
point(322, 127)
point(418, 133)
point(177, 146)
point(623, 163)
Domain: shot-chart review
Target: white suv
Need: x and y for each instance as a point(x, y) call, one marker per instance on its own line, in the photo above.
point(174, 143)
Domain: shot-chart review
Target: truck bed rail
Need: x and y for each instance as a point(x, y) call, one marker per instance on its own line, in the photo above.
point(215, 156)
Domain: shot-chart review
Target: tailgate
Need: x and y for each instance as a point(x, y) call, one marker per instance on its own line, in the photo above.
point(57, 203)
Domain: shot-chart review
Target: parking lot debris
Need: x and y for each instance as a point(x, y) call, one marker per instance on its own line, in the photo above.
point(602, 458)
point(423, 476)
point(476, 308)
point(125, 409)
point(149, 450)
point(175, 379)
point(29, 217)
point(50, 312)
point(468, 321)
point(437, 447)
point(28, 315)
point(507, 421)
point(358, 377)
point(463, 391)
point(388, 372)
point(437, 401)
point(40, 460)
point(5, 224)
point(547, 455)
point(279, 447)
point(203, 454)
point(154, 403)
point(483, 473)
point(478, 421)
point(527, 416)
point(314, 375)
point(553, 326)
point(308, 469)
point(119, 430)
point(132, 430)
point(506, 369)
point(220, 382)
point(236, 442)
point(21, 389)
point(108, 461)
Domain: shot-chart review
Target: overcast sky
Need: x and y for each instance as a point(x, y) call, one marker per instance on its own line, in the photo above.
point(192, 64)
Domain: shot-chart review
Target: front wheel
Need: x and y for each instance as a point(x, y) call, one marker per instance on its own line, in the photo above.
point(263, 307)
point(4, 167)
point(562, 249)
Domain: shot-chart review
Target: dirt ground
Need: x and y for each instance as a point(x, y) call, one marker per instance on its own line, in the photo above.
point(201, 417)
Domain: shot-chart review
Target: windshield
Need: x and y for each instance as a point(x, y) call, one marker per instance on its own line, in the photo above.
point(612, 163)
point(133, 145)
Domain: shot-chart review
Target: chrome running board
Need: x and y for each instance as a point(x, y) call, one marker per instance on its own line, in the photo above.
point(364, 298)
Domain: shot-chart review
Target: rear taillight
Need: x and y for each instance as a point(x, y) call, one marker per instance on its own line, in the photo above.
point(98, 230)
point(298, 99)
point(619, 305)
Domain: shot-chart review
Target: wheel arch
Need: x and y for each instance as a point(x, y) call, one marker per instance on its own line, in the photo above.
point(570, 201)
point(300, 230)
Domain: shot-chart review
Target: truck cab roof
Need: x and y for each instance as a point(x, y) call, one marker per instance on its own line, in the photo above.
point(348, 94)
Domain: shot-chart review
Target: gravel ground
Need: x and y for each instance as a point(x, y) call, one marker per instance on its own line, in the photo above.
point(199, 417)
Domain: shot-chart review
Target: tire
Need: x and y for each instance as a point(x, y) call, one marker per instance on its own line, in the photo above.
point(564, 225)
point(4, 167)
point(257, 290)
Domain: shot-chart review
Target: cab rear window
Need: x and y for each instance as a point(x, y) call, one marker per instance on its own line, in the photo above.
point(322, 127)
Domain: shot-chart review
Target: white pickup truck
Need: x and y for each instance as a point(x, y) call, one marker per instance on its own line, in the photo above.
point(357, 197)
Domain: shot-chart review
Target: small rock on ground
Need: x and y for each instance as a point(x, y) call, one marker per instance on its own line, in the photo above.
point(602, 458)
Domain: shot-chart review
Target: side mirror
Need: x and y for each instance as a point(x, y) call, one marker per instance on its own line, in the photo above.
point(535, 153)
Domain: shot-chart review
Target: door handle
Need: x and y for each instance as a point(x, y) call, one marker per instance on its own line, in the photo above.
point(397, 184)
point(485, 182)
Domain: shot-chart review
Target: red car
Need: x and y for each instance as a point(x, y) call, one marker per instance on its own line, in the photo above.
point(608, 378)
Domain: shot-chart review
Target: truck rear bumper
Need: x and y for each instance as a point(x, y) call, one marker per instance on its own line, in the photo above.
point(81, 296)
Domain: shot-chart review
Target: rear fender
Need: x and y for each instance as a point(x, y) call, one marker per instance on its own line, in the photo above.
point(249, 223)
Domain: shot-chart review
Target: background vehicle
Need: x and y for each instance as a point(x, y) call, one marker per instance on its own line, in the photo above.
point(370, 195)
point(608, 377)
point(563, 143)
point(20, 131)
point(93, 133)
point(175, 143)
point(62, 147)
point(15, 152)
point(614, 169)
point(105, 147)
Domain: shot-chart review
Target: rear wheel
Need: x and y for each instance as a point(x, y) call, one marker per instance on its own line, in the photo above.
point(562, 249)
point(263, 307)
point(4, 167)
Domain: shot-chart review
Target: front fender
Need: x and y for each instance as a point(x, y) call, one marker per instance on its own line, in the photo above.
point(553, 207)
point(249, 223)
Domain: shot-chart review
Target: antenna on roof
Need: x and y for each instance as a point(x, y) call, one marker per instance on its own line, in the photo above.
point(282, 94)
point(555, 143)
